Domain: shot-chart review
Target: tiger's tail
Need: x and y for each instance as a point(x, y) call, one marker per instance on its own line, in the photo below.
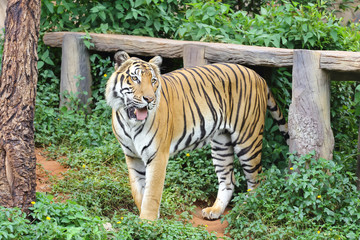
point(277, 116)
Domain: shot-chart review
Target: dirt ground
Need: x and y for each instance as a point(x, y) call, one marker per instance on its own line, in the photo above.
point(46, 169)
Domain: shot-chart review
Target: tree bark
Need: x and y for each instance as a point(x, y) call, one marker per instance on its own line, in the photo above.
point(17, 104)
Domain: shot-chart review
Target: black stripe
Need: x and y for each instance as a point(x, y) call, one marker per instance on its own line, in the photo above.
point(121, 125)
point(251, 170)
point(152, 157)
point(148, 145)
point(212, 110)
point(273, 109)
point(117, 74)
point(184, 131)
point(188, 140)
point(225, 155)
point(252, 156)
point(280, 121)
point(139, 172)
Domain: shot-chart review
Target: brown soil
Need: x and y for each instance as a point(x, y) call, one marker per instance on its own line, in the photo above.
point(47, 169)
point(211, 226)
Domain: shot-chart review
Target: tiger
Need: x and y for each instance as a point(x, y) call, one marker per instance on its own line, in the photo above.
point(155, 116)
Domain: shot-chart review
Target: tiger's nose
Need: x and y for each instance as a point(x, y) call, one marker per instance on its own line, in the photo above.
point(148, 99)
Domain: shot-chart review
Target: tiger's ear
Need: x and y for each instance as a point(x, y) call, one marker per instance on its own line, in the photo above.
point(120, 57)
point(156, 60)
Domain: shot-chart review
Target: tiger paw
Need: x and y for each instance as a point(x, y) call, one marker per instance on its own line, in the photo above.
point(211, 213)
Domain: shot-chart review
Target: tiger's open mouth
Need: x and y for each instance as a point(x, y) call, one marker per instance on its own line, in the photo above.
point(138, 113)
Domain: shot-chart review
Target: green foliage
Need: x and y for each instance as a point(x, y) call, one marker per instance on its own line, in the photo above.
point(131, 227)
point(98, 179)
point(53, 220)
point(13, 223)
point(275, 148)
point(137, 17)
point(74, 126)
point(250, 6)
point(344, 121)
point(315, 202)
point(190, 178)
point(287, 25)
point(192, 175)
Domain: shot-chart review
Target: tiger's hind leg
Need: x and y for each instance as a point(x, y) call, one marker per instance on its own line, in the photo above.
point(249, 154)
point(222, 153)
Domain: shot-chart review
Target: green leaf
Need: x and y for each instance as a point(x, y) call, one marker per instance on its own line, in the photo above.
point(49, 6)
point(211, 11)
point(304, 27)
point(60, 9)
point(334, 35)
point(263, 11)
point(157, 25)
point(102, 15)
point(139, 2)
point(129, 16)
point(40, 64)
point(357, 94)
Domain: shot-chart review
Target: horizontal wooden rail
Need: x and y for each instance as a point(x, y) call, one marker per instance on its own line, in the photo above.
point(214, 52)
point(340, 61)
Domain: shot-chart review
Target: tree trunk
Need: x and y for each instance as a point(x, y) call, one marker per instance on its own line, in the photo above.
point(17, 104)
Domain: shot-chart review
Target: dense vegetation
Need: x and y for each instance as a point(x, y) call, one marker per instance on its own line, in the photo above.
point(308, 204)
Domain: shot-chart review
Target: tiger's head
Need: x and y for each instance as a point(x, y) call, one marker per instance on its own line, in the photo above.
point(134, 86)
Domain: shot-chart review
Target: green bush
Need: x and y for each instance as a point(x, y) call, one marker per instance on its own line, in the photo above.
point(278, 24)
point(316, 201)
point(53, 220)
point(136, 17)
point(98, 180)
point(130, 227)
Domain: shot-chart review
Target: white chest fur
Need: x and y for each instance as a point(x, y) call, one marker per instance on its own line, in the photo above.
point(134, 136)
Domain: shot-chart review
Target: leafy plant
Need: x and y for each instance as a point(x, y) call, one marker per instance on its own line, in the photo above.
point(137, 17)
point(316, 202)
point(53, 220)
point(130, 227)
point(288, 25)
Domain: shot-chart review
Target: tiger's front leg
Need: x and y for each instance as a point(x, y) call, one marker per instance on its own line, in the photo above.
point(155, 178)
point(137, 175)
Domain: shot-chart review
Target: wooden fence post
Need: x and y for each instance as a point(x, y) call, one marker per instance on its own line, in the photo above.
point(75, 69)
point(193, 56)
point(309, 112)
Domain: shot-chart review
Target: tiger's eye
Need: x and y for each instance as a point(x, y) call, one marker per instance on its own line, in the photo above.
point(134, 78)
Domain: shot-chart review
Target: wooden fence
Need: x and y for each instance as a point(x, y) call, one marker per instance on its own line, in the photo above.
point(309, 112)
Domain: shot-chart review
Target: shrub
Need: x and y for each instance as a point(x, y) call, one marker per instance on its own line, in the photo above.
point(130, 227)
point(53, 220)
point(278, 24)
point(315, 202)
